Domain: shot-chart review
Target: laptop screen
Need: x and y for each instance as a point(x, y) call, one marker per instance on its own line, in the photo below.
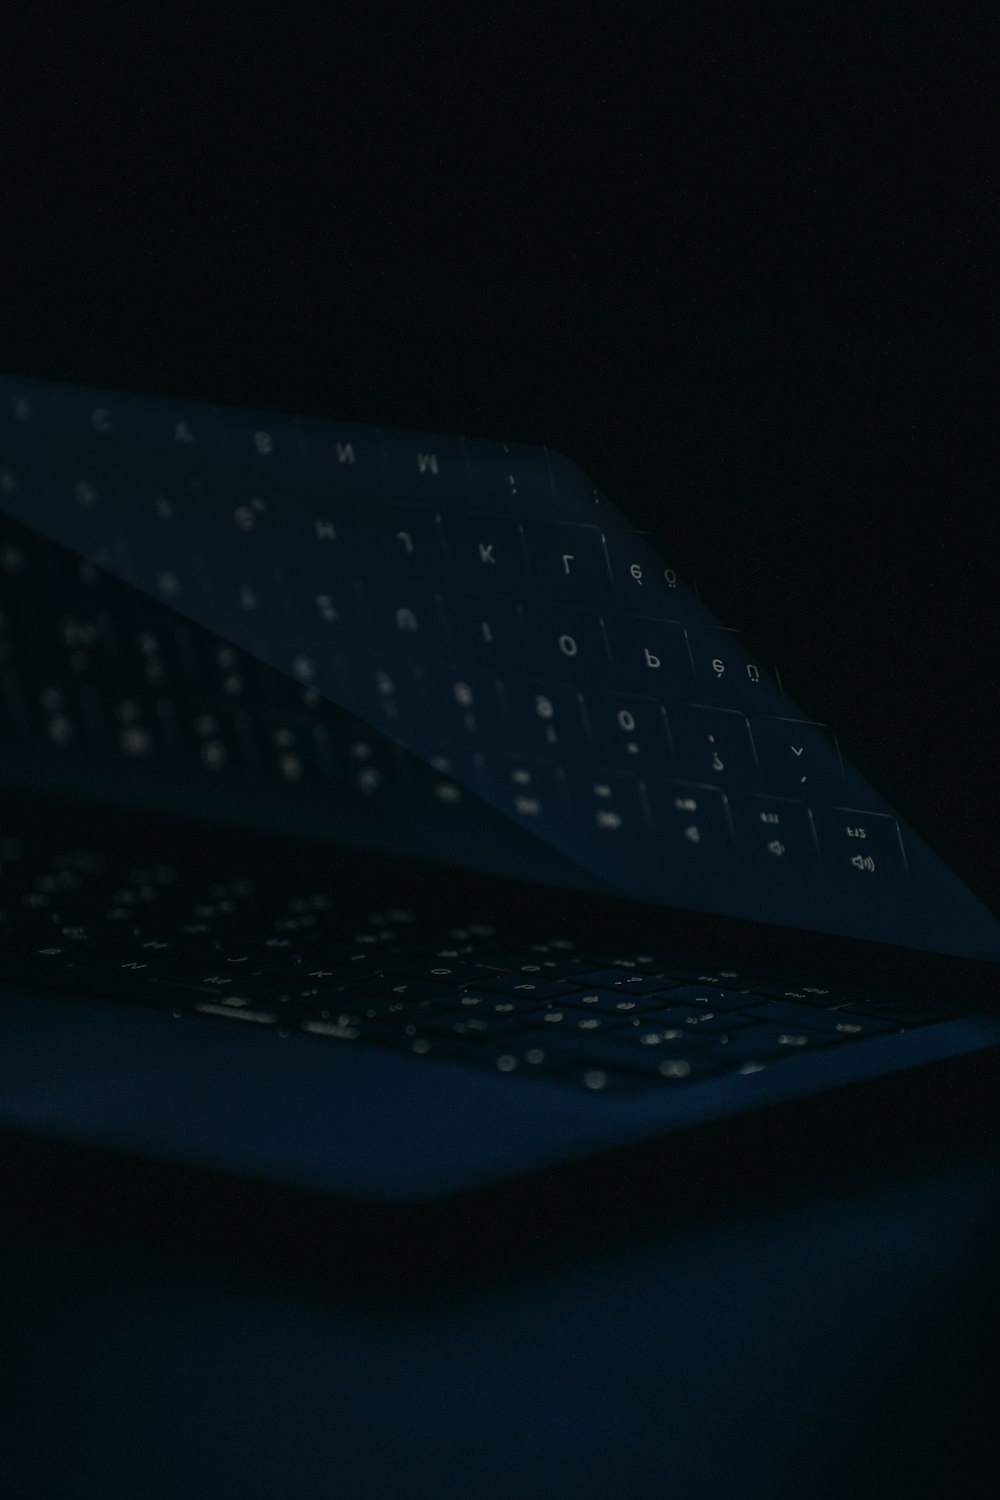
point(441, 646)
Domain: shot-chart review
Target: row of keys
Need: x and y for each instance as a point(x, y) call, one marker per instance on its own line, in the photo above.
point(176, 436)
point(620, 813)
point(152, 522)
point(327, 610)
point(543, 717)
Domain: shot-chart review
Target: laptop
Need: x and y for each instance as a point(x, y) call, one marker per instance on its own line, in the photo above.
point(384, 815)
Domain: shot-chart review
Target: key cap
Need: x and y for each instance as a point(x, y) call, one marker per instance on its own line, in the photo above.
point(862, 849)
point(568, 561)
point(323, 606)
point(405, 617)
point(528, 985)
point(612, 1002)
point(402, 540)
point(533, 793)
point(672, 1062)
point(232, 1012)
point(820, 995)
point(691, 823)
point(729, 676)
point(713, 745)
point(569, 642)
point(898, 1011)
point(797, 758)
point(759, 1043)
point(725, 978)
point(321, 528)
point(486, 551)
point(624, 981)
point(788, 1013)
point(695, 1019)
point(389, 693)
point(547, 718)
point(630, 730)
point(487, 631)
point(653, 653)
point(609, 809)
point(712, 997)
point(465, 706)
point(643, 581)
point(776, 834)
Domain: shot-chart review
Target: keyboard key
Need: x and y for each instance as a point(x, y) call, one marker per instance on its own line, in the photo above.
point(644, 583)
point(729, 676)
point(622, 981)
point(347, 457)
point(611, 805)
point(711, 997)
point(862, 848)
point(654, 653)
point(389, 695)
point(789, 1013)
point(405, 617)
point(323, 606)
point(465, 706)
point(569, 642)
point(321, 528)
point(726, 978)
point(403, 541)
point(486, 551)
point(241, 516)
point(672, 1059)
point(630, 730)
point(822, 996)
point(247, 604)
point(600, 1001)
point(776, 834)
point(431, 462)
point(692, 822)
point(568, 561)
point(527, 985)
point(759, 1043)
point(714, 745)
point(693, 1019)
point(445, 972)
point(487, 630)
point(796, 757)
point(919, 1013)
point(547, 717)
point(533, 793)
point(478, 1002)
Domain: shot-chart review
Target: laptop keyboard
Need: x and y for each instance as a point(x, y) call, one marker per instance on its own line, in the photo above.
point(235, 952)
point(473, 603)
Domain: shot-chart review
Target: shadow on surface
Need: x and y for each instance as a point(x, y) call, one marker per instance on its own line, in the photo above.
point(786, 1155)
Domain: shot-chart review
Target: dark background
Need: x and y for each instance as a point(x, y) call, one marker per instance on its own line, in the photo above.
point(738, 271)
point(735, 263)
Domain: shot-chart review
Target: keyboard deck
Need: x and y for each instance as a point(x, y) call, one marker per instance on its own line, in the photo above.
point(244, 952)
